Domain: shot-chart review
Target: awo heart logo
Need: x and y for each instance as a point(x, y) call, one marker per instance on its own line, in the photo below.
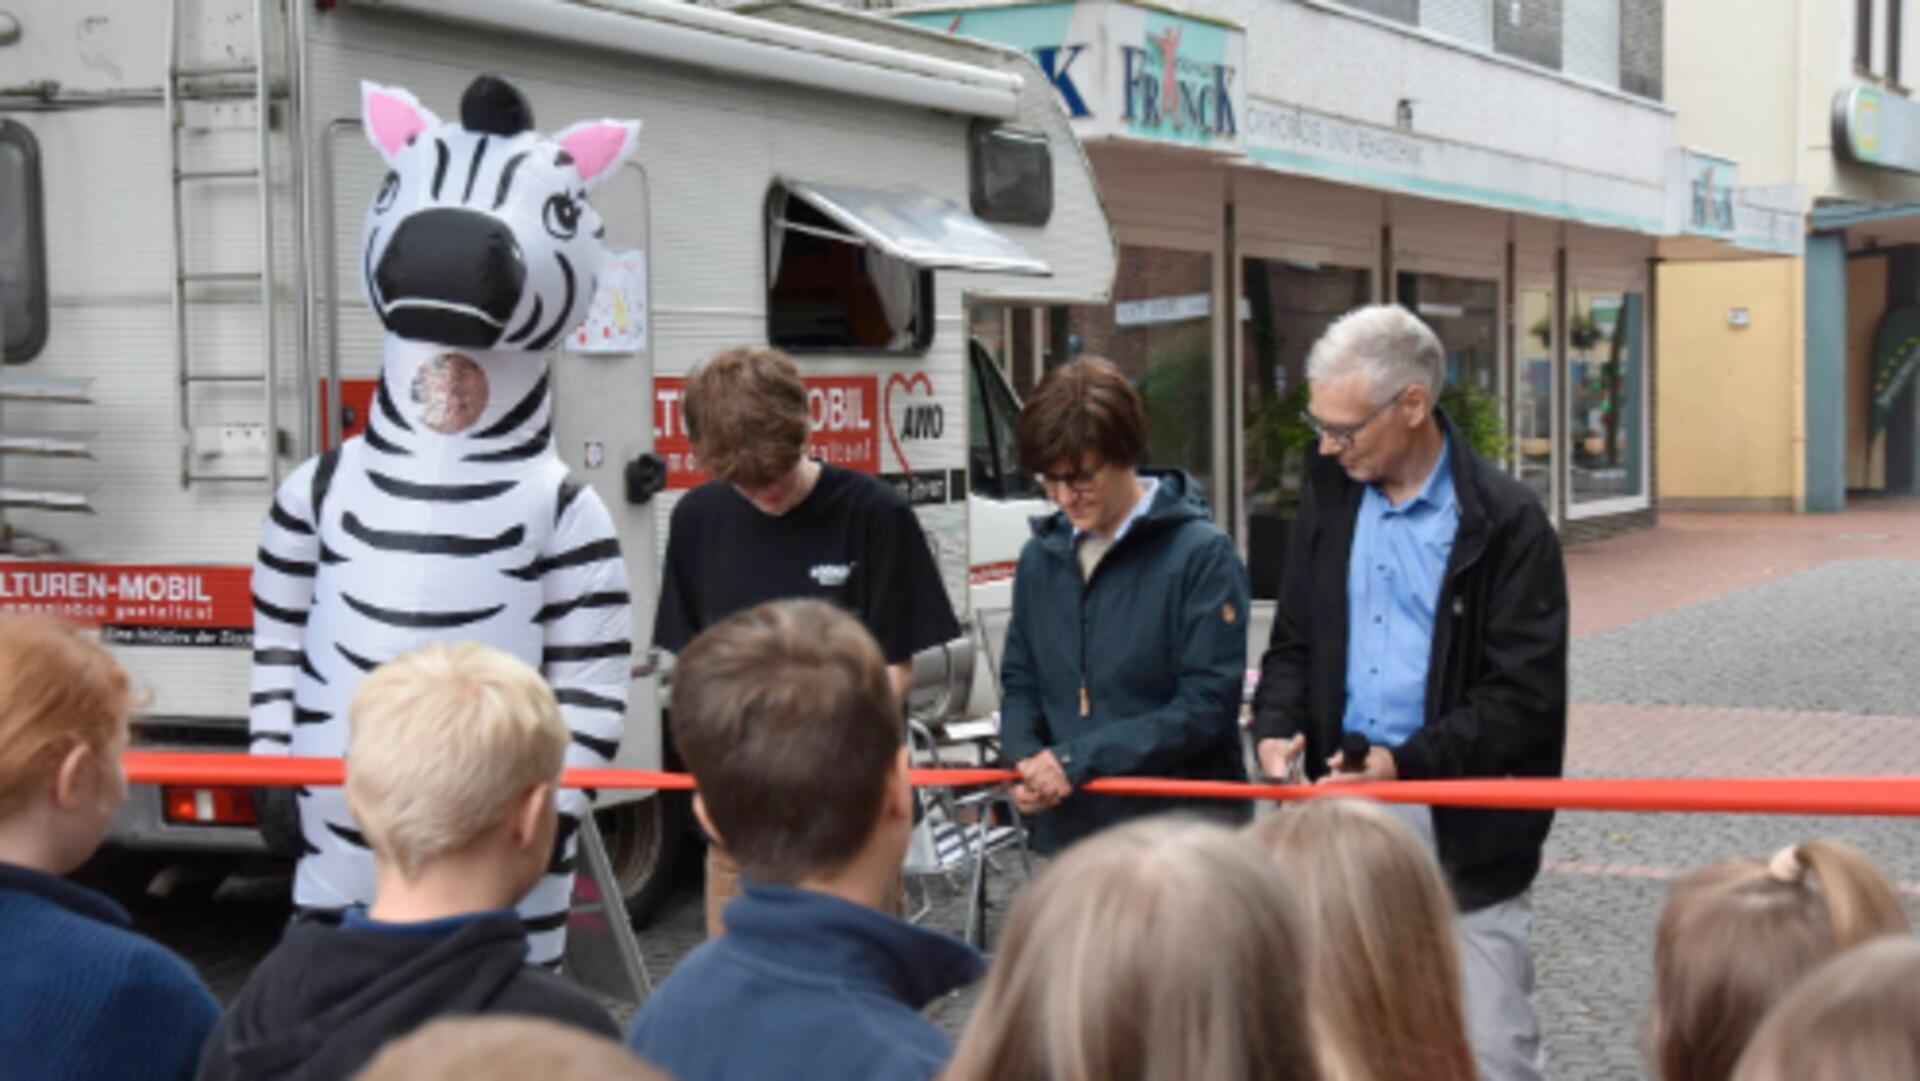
point(912, 414)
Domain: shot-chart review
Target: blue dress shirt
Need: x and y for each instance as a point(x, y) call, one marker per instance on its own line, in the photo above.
point(1393, 584)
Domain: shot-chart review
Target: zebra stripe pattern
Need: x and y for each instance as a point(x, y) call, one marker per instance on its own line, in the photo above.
point(408, 566)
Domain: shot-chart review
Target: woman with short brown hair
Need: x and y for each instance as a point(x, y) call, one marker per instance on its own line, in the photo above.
point(1127, 646)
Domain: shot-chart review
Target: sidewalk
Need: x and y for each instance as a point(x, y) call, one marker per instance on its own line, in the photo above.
point(1691, 558)
point(1715, 646)
point(1692, 637)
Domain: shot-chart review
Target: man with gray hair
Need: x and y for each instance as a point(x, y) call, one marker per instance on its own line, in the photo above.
point(1423, 616)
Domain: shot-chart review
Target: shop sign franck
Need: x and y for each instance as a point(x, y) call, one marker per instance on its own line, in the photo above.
point(1122, 69)
point(1165, 90)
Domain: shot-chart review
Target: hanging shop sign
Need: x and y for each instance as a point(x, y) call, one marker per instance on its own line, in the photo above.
point(1872, 127)
point(1705, 194)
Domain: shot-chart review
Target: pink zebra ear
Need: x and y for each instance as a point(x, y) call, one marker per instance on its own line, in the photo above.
point(597, 147)
point(392, 117)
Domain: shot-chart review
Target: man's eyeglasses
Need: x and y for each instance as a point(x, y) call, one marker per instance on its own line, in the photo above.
point(1343, 435)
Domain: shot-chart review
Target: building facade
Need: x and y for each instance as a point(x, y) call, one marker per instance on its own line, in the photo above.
point(1787, 383)
point(1505, 169)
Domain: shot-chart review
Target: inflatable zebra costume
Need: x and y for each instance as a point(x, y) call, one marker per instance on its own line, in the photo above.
point(452, 518)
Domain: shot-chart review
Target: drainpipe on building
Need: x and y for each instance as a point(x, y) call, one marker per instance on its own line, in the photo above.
point(1826, 371)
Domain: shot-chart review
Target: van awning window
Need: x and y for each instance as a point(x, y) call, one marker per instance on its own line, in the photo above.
point(924, 230)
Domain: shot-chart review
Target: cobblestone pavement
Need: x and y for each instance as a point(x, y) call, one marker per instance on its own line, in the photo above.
point(1739, 645)
point(1717, 646)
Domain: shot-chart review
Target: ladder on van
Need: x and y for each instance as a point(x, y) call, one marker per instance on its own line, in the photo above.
point(198, 83)
point(41, 390)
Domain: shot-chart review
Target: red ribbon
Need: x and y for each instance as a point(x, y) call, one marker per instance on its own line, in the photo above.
point(1878, 796)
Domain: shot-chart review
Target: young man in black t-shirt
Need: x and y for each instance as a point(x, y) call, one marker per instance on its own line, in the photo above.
point(773, 524)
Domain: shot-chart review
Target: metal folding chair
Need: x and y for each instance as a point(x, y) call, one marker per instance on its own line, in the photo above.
point(959, 831)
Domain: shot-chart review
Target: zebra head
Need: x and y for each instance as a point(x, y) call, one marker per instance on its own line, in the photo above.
point(481, 236)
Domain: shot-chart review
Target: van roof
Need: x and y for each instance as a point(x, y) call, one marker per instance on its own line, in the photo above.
point(683, 33)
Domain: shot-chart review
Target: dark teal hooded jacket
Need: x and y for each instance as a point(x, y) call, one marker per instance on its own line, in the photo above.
point(1158, 640)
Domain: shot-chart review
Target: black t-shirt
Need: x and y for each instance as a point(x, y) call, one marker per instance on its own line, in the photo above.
point(852, 541)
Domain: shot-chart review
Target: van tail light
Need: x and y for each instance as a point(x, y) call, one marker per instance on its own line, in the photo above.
point(213, 805)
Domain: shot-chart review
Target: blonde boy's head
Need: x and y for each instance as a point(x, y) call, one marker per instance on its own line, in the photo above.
point(496, 1047)
point(444, 740)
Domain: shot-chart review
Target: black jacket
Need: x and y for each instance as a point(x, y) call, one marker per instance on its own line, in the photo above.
point(324, 1001)
point(1496, 702)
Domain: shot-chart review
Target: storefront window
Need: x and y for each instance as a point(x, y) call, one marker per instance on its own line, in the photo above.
point(1465, 313)
point(1533, 422)
point(1159, 331)
point(1285, 306)
point(23, 257)
point(1606, 361)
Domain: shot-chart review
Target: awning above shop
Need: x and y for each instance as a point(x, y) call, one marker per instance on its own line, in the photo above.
point(1869, 225)
point(914, 227)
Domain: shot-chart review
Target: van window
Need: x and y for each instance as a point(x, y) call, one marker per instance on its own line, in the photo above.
point(1011, 175)
point(831, 290)
point(993, 460)
point(23, 252)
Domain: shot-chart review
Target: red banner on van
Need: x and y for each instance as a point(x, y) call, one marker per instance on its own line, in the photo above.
point(138, 604)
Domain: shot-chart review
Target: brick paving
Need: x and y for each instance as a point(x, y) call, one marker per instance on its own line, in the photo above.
point(1690, 558)
point(1610, 739)
point(1830, 638)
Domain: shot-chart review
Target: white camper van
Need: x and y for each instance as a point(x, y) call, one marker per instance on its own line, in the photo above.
point(182, 186)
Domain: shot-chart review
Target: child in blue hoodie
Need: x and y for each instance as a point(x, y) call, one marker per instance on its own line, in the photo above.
point(786, 718)
point(81, 996)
